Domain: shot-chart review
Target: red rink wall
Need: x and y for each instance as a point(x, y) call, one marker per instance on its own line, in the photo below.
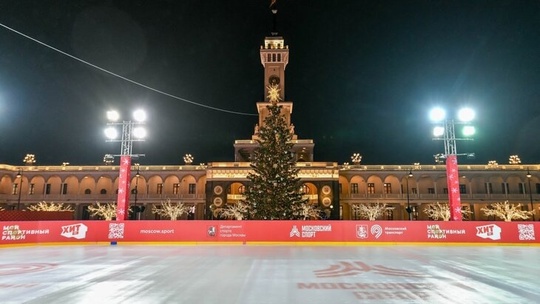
point(271, 232)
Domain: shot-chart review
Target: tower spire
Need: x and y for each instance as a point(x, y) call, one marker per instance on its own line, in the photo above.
point(273, 8)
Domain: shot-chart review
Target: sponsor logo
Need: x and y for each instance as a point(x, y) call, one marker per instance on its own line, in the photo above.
point(309, 231)
point(76, 231)
point(211, 230)
point(15, 233)
point(362, 231)
point(376, 230)
point(491, 231)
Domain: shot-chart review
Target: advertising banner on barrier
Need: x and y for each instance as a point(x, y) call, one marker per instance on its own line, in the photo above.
point(270, 231)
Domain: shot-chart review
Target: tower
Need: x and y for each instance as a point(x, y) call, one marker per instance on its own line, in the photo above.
point(274, 54)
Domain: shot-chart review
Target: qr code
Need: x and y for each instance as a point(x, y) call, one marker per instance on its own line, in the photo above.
point(116, 231)
point(526, 232)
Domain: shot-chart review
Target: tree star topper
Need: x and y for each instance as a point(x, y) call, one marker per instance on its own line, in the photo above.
point(273, 93)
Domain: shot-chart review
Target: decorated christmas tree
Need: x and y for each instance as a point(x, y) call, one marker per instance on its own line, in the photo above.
point(275, 189)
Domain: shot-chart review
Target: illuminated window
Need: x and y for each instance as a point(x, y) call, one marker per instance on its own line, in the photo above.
point(387, 188)
point(14, 189)
point(354, 188)
point(176, 188)
point(371, 188)
point(31, 189)
point(159, 188)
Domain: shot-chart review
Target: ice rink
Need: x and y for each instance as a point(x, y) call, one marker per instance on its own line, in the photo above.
point(269, 274)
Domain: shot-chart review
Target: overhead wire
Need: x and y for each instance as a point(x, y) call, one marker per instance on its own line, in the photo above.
point(125, 78)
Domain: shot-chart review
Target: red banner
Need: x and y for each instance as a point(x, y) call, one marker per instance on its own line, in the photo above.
point(454, 196)
point(291, 232)
point(122, 203)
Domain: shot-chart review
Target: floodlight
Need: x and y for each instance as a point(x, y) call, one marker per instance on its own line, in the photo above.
point(139, 132)
point(113, 115)
point(466, 114)
point(437, 114)
point(139, 115)
point(438, 131)
point(468, 130)
point(111, 133)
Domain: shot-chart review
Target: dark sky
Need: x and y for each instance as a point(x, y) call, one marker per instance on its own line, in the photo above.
point(362, 75)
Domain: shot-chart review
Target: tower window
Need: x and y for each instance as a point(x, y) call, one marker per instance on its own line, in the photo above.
point(279, 57)
point(269, 58)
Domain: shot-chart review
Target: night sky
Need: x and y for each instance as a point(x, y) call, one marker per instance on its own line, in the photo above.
point(362, 75)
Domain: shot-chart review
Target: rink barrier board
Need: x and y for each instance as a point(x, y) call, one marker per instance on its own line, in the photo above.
point(301, 233)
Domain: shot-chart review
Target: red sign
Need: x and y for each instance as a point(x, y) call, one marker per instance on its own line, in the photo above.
point(122, 203)
point(350, 232)
point(454, 194)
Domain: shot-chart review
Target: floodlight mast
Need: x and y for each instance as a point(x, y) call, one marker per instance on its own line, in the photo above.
point(124, 177)
point(450, 153)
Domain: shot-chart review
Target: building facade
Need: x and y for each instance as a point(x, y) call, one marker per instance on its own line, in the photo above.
point(334, 188)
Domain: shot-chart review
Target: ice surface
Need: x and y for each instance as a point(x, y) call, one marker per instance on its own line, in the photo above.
point(269, 274)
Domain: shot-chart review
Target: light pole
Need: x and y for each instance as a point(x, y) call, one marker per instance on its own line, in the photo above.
point(445, 130)
point(136, 208)
point(409, 210)
point(129, 128)
point(530, 191)
point(20, 175)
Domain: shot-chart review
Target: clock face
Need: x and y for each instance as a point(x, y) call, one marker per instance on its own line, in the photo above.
point(274, 79)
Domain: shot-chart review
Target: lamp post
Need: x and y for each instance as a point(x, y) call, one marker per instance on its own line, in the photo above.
point(129, 128)
point(445, 130)
point(20, 175)
point(409, 210)
point(136, 208)
point(530, 191)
